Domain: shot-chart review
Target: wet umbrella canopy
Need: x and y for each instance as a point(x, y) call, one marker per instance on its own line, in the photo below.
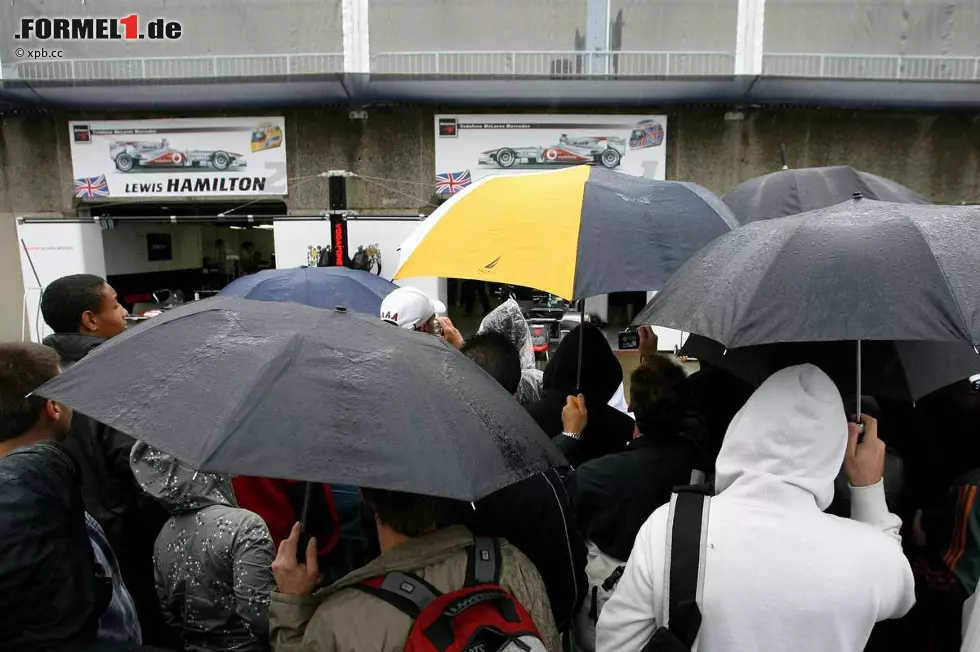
point(576, 233)
point(860, 270)
point(287, 391)
point(320, 287)
point(790, 192)
point(906, 371)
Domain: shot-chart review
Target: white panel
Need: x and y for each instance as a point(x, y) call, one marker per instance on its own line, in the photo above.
point(56, 250)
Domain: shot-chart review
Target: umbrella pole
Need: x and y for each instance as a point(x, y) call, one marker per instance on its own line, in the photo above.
point(581, 345)
point(307, 494)
point(859, 382)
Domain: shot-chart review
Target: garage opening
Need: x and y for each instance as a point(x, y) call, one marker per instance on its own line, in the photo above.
point(164, 251)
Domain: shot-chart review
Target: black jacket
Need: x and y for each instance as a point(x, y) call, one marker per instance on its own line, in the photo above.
point(131, 519)
point(619, 492)
point(538, 517)
point(49, 594)
point(608, 429)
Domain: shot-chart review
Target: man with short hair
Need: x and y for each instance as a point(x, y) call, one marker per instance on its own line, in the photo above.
point(496, 355)
point(410, 308)
point(84, 312)
point(618, 492)
point(55, 592)
point(415, 537)
point(535, 514)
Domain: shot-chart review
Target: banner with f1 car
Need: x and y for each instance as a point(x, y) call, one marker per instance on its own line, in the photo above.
point(471, 147)
point(180, 157)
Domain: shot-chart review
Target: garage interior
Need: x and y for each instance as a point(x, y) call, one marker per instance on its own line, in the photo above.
point(154, 251)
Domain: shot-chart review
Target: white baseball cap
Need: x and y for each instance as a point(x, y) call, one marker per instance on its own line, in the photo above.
point(410, 307)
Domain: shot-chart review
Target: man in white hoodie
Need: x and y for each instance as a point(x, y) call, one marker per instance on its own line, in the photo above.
point(780, 574)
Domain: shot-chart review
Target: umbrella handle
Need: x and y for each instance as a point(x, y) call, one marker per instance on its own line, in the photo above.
point(304, 535)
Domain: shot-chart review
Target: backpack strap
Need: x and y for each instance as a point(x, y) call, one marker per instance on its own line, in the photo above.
point(483, 562)
point(407, 592)
point(684, 563)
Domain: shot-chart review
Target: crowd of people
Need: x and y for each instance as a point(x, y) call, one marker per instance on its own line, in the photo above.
point(819, 530)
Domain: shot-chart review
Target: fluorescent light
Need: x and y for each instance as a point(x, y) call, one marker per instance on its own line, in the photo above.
point(237, 228)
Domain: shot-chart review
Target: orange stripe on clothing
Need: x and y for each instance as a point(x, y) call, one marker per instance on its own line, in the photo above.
point(969, 494)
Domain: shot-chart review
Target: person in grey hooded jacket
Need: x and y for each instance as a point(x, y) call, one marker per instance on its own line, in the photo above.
point(213, 560)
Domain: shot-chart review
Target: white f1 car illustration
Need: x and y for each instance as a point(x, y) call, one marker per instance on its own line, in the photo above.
point(607, 151)
point(130, 154)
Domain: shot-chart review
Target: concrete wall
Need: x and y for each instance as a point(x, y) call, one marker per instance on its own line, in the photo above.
point(927, 27)
point(937, 155)
point(255, 27)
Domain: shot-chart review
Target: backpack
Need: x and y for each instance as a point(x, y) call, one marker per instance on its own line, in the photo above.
point(680, 622)
point(480, 617)
point(604, 572)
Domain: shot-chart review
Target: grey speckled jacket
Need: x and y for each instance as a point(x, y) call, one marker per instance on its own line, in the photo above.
point(213, 559)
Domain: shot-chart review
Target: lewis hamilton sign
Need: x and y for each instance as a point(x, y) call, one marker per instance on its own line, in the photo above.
point(180, 157)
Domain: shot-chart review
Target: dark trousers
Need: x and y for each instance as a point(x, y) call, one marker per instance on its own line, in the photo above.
point(478, 288)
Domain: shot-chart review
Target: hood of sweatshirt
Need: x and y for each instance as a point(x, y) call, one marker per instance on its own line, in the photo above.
point(601, 372)
point(179, 487)
point(787, 444)
point(72, 347)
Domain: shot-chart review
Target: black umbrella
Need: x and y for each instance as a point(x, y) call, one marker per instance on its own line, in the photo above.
point(861, 270)
point(287, 391)
point(905, 371)
point(789, 192)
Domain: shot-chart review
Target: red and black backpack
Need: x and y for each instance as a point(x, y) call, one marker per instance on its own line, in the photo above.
point(480, 617)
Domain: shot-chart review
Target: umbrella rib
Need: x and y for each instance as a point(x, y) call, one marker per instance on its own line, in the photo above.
point(959, 309)
point(447, 436)
point(772, 263)
point(248, 403)
point(732, 224)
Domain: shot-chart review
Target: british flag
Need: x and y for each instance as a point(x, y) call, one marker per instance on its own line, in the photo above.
point(91, 187)
point(452, 182)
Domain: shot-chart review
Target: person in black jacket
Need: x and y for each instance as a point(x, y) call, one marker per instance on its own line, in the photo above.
point(608, 429)
point(618, 493)
point(84, 312)
point(536, 514)
point(49, 596)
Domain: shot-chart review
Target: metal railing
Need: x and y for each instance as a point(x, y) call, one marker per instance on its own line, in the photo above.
point(554, 64)
point(175, 67)
point(872, 66)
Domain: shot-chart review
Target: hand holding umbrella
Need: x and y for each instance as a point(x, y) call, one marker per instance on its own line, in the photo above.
point(294, 577)
point(864, 459)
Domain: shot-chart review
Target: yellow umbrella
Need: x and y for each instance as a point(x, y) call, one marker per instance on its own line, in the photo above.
point(575, 232)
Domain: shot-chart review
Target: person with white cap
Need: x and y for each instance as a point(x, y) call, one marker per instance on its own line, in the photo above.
point(411, 308)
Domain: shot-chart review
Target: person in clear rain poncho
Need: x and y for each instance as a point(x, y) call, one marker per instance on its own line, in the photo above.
point(508, 320)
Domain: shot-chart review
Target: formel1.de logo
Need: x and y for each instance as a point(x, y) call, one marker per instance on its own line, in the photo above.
point(127, 28)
